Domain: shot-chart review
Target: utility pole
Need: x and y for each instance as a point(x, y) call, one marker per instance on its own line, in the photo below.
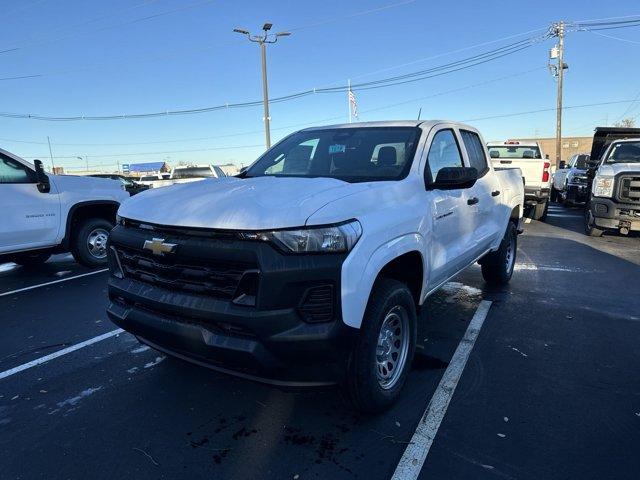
point(262, 40)
point(53, 167)
point(557, 52)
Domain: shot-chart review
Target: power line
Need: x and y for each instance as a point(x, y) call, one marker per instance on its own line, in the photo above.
point(194, 139)
point(529, 112)
point(424, 74)
point(146, 59)
point(237, 147)
point(626, 40)
point(108, 27)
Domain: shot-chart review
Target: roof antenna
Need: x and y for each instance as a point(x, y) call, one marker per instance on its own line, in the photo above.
point(419, 113)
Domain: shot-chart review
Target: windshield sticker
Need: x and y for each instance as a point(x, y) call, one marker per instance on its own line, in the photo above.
point(333, 149)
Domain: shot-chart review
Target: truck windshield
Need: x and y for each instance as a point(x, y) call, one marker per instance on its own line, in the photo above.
point(581, 162)
point(514, 151)
point(349, 154)
point(192, 172)
point(625, 152)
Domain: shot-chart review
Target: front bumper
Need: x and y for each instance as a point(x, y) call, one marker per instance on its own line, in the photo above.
point(576, 193)
point(273, 339)
point(608, 213)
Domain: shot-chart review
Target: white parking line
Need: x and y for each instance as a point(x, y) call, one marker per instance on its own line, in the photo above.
point(563, 215)
point(11, 292)
point(417, 450)
point(59, 353)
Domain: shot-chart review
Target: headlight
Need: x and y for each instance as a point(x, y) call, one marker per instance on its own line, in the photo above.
point(327, 239)
point(603, 187)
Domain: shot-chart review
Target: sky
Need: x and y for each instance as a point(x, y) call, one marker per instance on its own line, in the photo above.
point(120, 57)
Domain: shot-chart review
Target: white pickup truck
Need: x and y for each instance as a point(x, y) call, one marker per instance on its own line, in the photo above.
point(535, 167)
point(42, 214)
point(311, 267)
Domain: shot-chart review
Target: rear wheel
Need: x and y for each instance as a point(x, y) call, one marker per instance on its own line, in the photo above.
point(497, 267)
point(31, 259)
point(89, 245)
point(381, 359)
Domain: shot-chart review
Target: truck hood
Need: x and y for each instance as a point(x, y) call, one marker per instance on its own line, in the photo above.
point(90, 187)
point(259, 203)
point(612, 169)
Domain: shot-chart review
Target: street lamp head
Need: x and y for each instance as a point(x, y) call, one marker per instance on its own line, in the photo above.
point(283, 34)
point(241, 30)
point(267, 26)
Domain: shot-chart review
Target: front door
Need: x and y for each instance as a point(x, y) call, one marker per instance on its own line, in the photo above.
point(30, 219)
point(452, 222)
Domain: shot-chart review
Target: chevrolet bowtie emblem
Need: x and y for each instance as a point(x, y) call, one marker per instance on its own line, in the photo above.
point(158, 247)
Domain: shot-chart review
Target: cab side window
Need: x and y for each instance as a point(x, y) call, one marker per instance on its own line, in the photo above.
point(475, 151)
point(12, 171)
point(443, 152)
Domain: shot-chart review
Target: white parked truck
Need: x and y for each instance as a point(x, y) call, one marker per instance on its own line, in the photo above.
point(535, 167)
point(310, 267)
point(42, 214)
point(614, 171)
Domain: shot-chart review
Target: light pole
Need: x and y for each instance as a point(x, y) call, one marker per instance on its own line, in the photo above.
point(86, 161)
point(262, 40)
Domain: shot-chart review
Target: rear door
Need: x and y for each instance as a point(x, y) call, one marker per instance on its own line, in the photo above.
point(452, 222)
point(30, 219)
point(485, 193)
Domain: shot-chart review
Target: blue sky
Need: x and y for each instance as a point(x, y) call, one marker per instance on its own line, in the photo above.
point(101, 58)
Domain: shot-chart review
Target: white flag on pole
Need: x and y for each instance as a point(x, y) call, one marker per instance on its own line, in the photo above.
point(353, 103)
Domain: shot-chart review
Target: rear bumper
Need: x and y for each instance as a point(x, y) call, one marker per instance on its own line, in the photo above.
point(273, 340)
point(608, 213)
point(533, 195)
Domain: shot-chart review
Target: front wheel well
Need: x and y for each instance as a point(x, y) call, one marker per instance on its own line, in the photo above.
point(81, 212)
point(408, 269)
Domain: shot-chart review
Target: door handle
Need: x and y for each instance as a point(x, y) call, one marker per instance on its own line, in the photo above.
point(495, 193)
point(472, 201)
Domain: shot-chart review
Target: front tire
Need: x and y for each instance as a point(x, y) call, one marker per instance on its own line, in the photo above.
point(89, 244)
point(497, 267)
point(589, 226)
point(381, 358)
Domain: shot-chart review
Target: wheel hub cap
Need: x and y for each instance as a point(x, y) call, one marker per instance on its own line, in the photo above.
point(97, 243)
point(392, 347)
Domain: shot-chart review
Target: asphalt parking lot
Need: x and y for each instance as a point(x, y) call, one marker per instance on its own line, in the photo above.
point(550, 390)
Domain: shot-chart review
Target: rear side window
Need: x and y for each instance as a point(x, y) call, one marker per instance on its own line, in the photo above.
point(475, 150)
point(444, 152)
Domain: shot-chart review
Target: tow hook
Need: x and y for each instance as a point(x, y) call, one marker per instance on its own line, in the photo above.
point(625, 227)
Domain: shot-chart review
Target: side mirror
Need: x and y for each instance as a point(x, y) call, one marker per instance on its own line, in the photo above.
point(563, 164)
point(453, 178)
point(546, 156)
point(44, 186)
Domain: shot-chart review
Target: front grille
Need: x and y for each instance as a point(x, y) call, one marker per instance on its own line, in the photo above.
point(630, 189)
point(218, 279)
point(317, 305)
